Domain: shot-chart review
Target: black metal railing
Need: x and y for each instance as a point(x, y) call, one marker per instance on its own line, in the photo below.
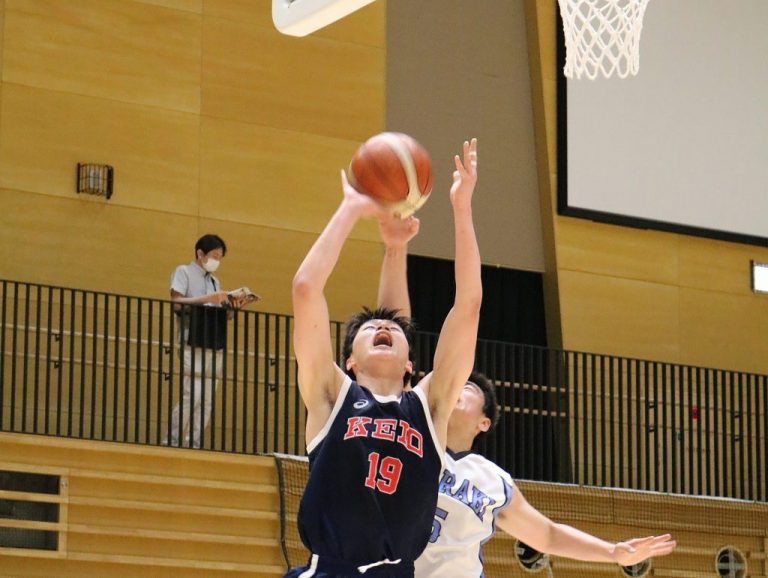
point(100, 366)
point(601, 420)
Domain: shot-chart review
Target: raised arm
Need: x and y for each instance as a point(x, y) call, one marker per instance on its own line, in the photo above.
point(455, 352)
point(530, 526)
point(393, 282)
point(318, 376)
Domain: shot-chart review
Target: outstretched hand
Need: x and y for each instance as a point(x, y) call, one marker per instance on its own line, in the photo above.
point(363, 205)
point(465, 176)
point(636, 550)
point(396, 232)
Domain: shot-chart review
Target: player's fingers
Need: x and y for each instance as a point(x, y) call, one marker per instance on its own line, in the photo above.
point(663, 549)
point(473, 152)
point(467, 155)
point(642, 540)
point(344, 178)
point(650, 541)
point(459, 165)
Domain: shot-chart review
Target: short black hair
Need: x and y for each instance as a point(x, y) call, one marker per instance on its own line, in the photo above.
point(490, 406)
point(355, 322)
point(209, 242)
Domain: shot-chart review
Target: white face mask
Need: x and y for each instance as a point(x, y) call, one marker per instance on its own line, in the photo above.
point(211, 264)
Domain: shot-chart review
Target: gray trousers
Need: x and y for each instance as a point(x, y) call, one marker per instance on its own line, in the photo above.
point(187, 420)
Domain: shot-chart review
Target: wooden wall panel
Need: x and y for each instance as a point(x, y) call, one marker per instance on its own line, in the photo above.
point(365, 26)
point(715, 266)
point(120, 82)
point(2, 44)
point(239, 11)
point(266, 176)
point(188, 5)
point(140, 511)
point(2, 38)
point(718, 321)
point(46, 133)
point(724, 329)
point(128, 51)
point(255, 74)
point(617, 251)
point(89, 245)
point(617, 316)
point(73, 243)
point(266, 259)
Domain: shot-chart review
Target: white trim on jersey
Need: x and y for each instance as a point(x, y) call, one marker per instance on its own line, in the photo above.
point(508, 491)
point(343, 391)
point(386, 398)
point(421, 394)
point(309, 572)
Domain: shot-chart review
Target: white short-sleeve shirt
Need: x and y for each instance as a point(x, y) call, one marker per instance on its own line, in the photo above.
point(473, 490)
point(193, 281)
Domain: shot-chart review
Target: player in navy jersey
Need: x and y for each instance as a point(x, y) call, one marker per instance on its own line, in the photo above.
point(476, 495)
point(376, 450)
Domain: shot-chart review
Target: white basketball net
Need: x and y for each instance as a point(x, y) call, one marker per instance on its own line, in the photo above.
point(602, 37)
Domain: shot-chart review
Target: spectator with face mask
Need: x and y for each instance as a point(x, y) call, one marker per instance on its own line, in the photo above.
point(201, 339)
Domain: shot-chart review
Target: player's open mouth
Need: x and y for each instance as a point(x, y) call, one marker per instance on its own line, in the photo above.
point(382, 338)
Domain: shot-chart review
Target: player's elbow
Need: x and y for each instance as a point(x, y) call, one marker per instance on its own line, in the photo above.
point(302, 287)
point(470, 304)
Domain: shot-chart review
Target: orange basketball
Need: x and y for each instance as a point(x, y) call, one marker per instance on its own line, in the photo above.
point(394, 169)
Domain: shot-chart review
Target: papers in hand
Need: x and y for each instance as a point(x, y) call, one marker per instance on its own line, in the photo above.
point(240, 297)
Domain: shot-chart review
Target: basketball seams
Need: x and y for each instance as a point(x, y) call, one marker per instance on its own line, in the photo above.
point(403, 152)
point(381, 174)
point(390, 167)
point(384, 173)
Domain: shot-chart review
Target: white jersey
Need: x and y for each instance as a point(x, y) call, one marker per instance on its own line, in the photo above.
point(473, 490)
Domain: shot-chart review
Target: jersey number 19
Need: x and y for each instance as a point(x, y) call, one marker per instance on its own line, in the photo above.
point(383, 476)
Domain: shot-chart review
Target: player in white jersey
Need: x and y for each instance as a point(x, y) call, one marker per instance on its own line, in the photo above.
point(477, 496)
point(473, 491)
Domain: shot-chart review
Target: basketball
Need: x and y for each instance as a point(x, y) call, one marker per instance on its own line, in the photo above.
point(394, 169)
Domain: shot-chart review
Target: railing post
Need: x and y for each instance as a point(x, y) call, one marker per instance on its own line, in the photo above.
point(36, 404)
point(94, 355)
point(48, 357)
point(14, 341)
point(2, 357)
point(25, 361)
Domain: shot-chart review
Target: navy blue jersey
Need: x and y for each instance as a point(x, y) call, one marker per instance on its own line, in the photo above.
point(374, 472)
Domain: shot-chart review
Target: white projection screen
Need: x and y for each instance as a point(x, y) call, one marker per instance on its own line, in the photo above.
point(683, 146)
